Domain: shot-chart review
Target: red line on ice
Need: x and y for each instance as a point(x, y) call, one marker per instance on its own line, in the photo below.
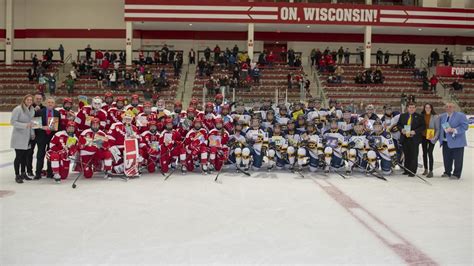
point(406, 250)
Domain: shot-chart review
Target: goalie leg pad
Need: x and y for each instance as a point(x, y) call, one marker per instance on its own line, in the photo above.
point(372, 159)
point(291, 155)
point(302, 159)
point(246, 157)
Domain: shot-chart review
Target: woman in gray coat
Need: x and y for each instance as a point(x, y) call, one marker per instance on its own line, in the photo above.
point(21, 120)
point(428, 142)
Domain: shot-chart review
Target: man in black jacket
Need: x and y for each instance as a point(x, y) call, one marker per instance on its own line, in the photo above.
point(50, 125)
point(412, 125)
point(38, 105)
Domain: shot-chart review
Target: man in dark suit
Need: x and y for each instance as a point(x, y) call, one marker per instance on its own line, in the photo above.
point(412, 125)
point(43, 136)
point(38, 105)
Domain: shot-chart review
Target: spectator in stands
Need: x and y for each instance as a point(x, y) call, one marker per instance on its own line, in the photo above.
point(298, 62)
point(122, 57)
point(31, 73)
point(69, 83)
point(340, 54)
point(88, 51)
point(43, 137)
point(192, 57)
point(21, 118)
point(105, 64)
point(217, 52)
point(100, 78)
point(446, 56)
point(359, 78)
point(347, 55)
point(456, 85)
point(386, 57)
point(411, 98)
point(468, 75)
point(244, 68)
point(61, 52)
point(426, 84)
point(313, 56)
point(201, 67)
point(289, 78)
point(98, 57)
point(338, 73)
point(116, 64)
point(428, 141)
point(452, 136)
point(412, 126)
point(42, 84)
point(51, 80)
point(235, 50)
point(403, 101)
point(171, 56)
point(256, 75)
point(379, 56)
point(291, 57)
point(307, 84)
point(270, 59)
point(207, 53)
point(434, 83)
point(434, 57)
point(49, 55)
point(361, 56)
point(334, 55)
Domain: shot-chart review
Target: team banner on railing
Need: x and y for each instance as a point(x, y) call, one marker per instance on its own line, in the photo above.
point(296, 13)
point(449, 71)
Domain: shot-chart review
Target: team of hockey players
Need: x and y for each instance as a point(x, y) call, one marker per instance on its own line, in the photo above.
point(222, 135)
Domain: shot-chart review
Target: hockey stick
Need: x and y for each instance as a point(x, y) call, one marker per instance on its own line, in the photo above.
point(410, 172)
point(81, 172)
point(373, 173)
point(172, 171)
point(334, 170)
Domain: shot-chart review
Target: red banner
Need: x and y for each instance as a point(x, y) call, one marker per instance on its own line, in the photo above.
point(449, 71)
point(296, 13)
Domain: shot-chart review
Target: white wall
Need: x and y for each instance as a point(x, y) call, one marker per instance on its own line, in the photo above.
point(83, 14)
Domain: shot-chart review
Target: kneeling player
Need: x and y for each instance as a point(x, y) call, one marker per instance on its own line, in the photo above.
point(94, 150)
point(384, 151)
point(63, 147)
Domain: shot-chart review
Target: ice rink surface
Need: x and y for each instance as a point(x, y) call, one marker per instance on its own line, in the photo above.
point(276, 218)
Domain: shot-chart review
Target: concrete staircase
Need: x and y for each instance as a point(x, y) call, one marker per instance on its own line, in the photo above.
point(185, 92)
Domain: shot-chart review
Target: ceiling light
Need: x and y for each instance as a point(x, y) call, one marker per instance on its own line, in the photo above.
point(190, 24)
point(308, 26)
point(420, 29)
point(277, 42)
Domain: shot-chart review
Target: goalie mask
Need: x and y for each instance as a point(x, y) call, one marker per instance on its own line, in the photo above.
point(70, 128)
point(160, 105)
point(96, 103)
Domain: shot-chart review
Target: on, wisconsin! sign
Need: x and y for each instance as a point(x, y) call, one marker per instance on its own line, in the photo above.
point(296, 13)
